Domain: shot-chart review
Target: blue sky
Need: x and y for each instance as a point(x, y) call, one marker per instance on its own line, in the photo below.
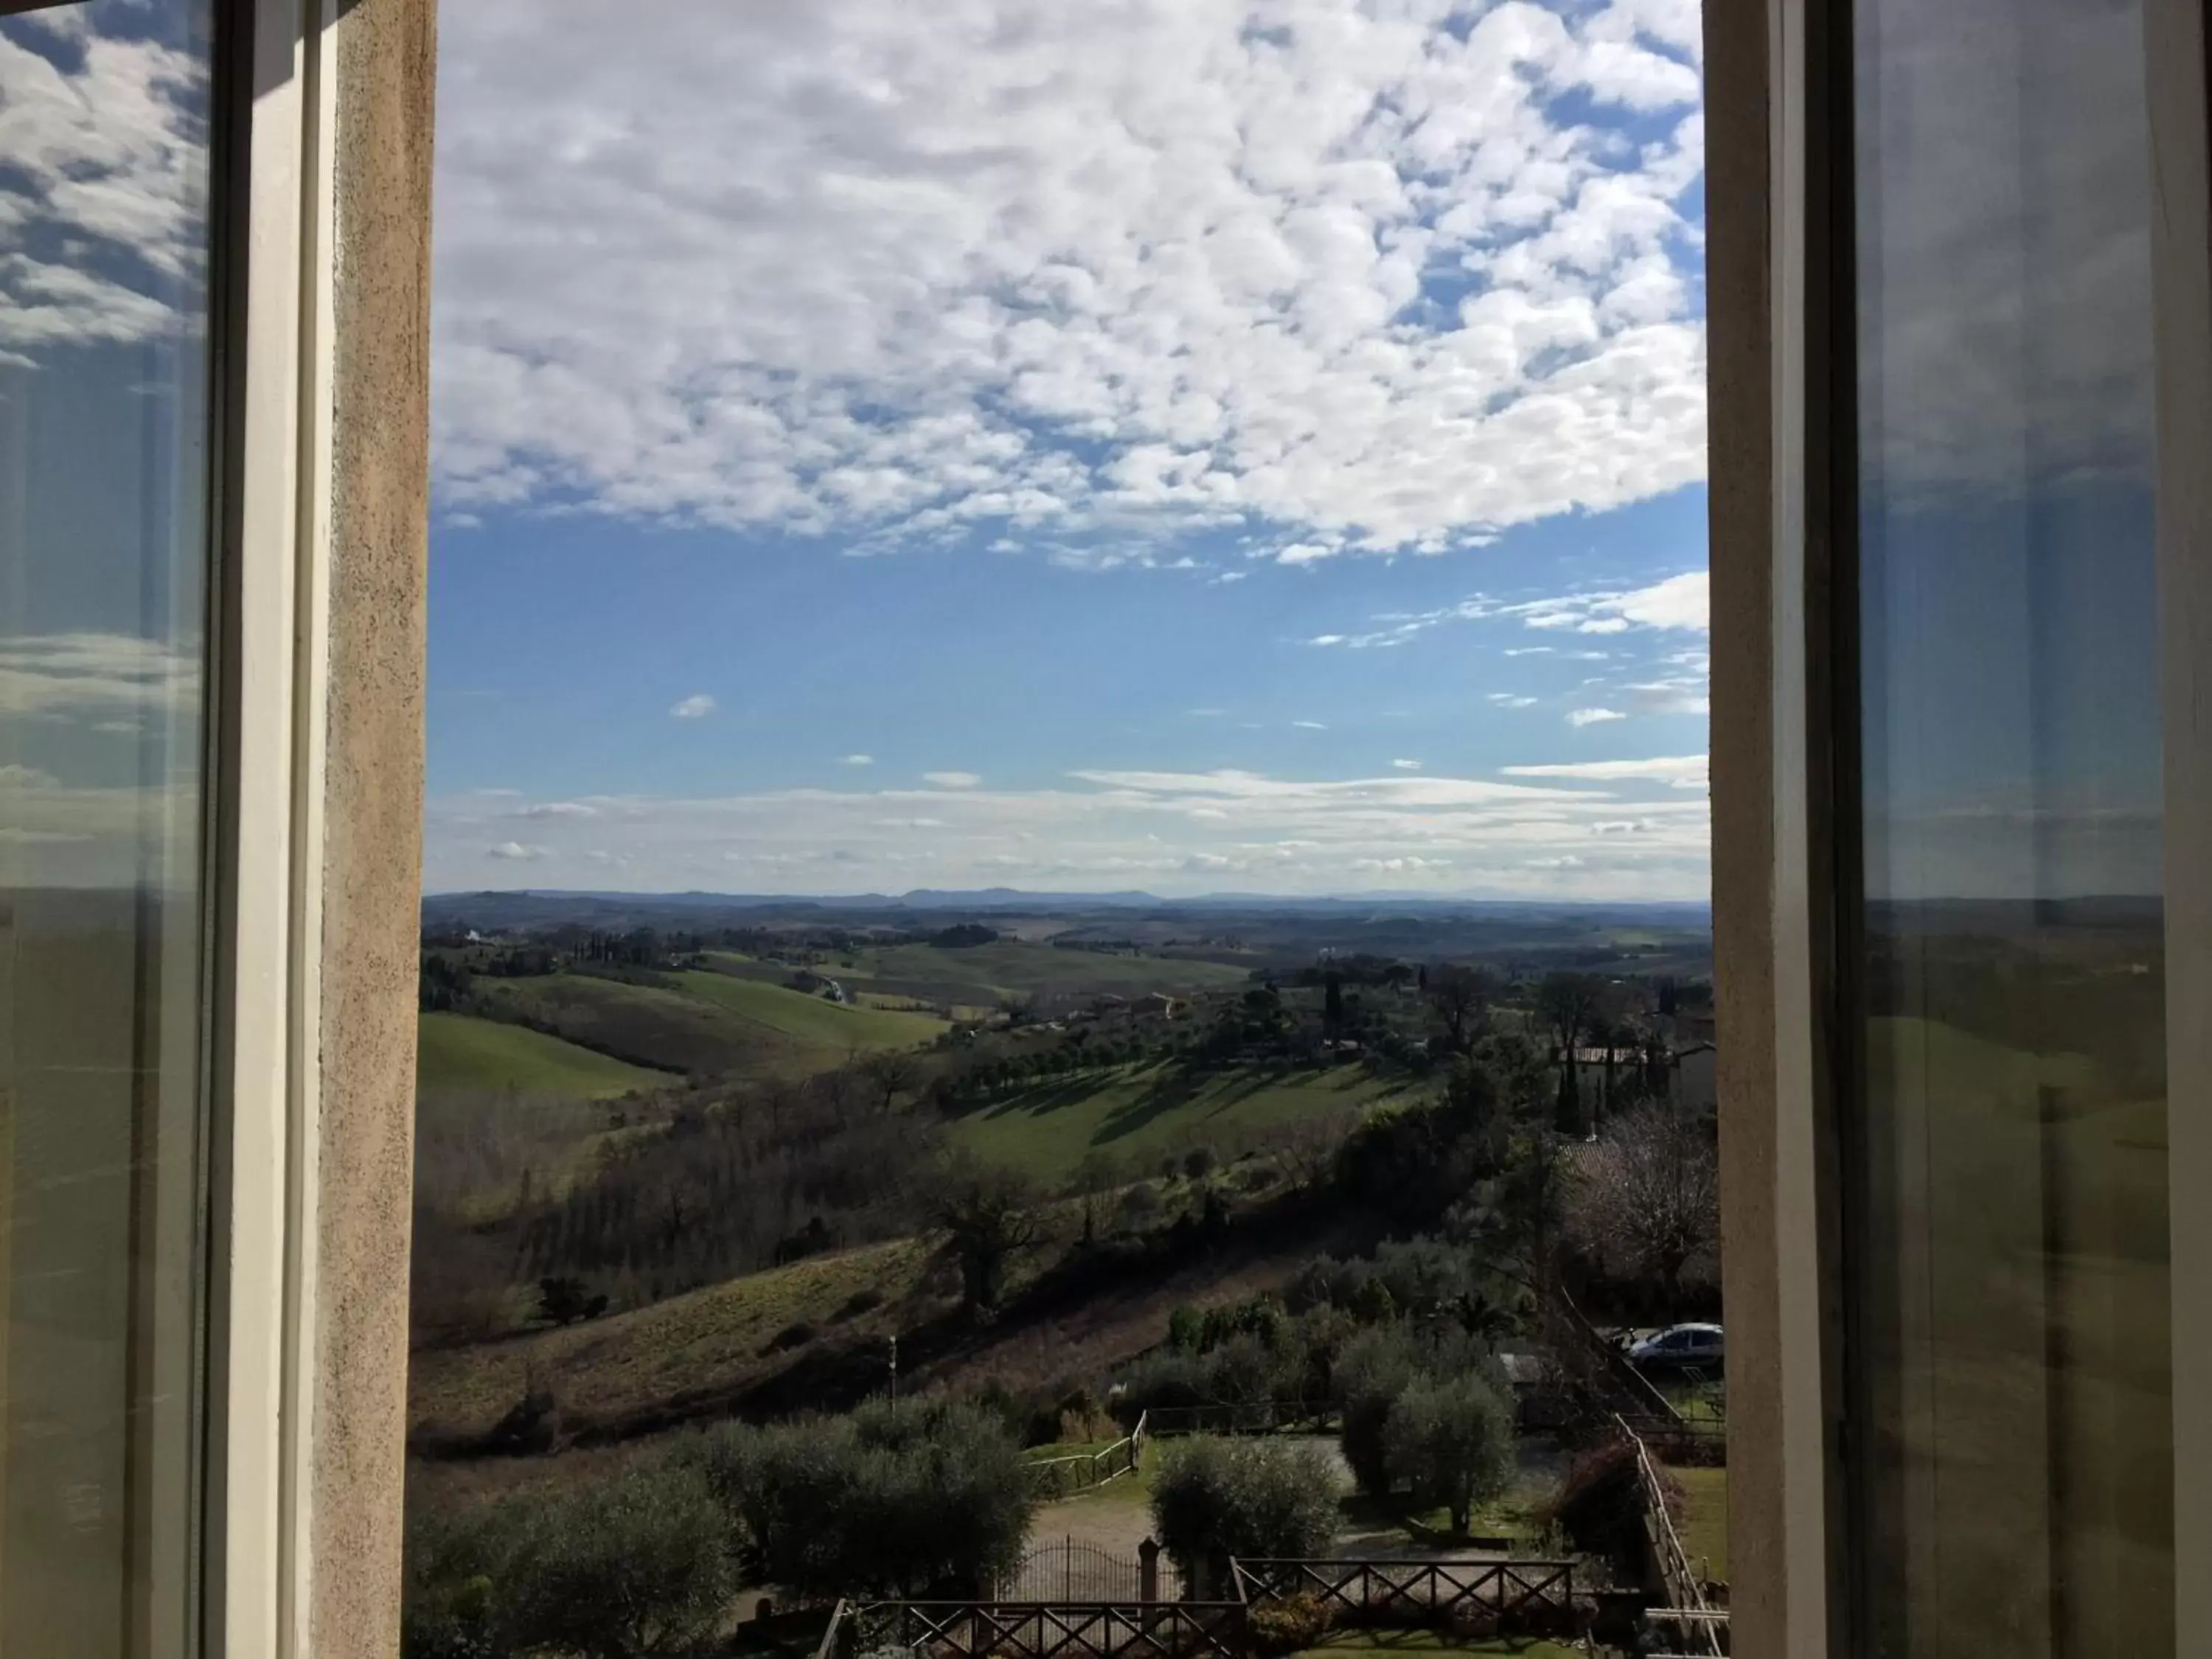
point(1198, 446)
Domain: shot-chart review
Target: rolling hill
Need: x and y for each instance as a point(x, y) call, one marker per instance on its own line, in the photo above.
point(455, 1051)
point(835, 1028)
point(1135, 1112)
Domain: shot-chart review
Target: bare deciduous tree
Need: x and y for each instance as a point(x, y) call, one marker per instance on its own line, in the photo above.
point(1645, 1199)
point(1461, 996)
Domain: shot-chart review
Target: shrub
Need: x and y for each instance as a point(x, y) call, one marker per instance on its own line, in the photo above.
point(1215, 1499)
point(1289, 1624)
point(1600, 1506)
point(927, 1496)
point(1450, 1439)
point(629, 1568)
point(1376, 1367)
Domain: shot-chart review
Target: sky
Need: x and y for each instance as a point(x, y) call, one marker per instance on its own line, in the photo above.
point(1189, 446)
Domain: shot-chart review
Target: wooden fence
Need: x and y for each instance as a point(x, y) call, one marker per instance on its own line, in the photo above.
point(1418, 1592)
point(1257, 1417)
point(1056, 1477)
point(1012, 1630)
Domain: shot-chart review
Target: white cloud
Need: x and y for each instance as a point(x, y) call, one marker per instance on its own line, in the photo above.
point(1374, 277)
point(694, 707)
point(516, 850)
point(1579, 717)
point(558, 809)
point(856, 760)
point(952, 780)
point(1171, 830)
point(1306, 553)
point(1508, 700)
point(107, 152)
point(1407, 765)
point(1679, 771)
point(1309, 725)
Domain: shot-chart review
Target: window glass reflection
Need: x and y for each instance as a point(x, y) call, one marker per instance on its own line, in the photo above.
point(2011, 1327)
point(104, 122)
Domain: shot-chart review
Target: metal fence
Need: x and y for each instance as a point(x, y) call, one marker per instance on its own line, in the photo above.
point(1069, 1571)
point(1704, 1627)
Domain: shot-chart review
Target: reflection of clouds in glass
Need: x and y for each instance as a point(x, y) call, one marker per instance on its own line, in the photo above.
point(104, 140)
point(85, 675)
point(1996, 356)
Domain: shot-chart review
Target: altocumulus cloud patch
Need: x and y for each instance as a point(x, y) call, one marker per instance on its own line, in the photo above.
point(1382, 278)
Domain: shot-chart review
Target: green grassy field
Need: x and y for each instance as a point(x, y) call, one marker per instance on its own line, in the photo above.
point(457, 1052)
point(1705, 1526)
point(813, 1019)
point(718, 1337)
point(982, 975)
point(1369, 1643)
point(1132, 1112)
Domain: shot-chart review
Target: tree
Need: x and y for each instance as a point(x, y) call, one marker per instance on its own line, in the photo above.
point(1461, 996)
point(992, 1214)
point(893, 1075)
point(1567, 1003)
point(1645, 1199)
point(1452, 1440)
point(638, 1566)
point(562, 1301)
point(1215, 1499)
point(1332, 1004)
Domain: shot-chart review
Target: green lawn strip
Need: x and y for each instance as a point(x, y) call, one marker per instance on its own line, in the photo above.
point(457, 1051)
point(1705, 1528)
point(813, 1019)
point(1431, 1641)
point(1137, 1112)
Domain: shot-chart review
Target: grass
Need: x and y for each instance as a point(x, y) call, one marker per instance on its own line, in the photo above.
point(983, 974)
point(456, 1051)
point(1705, 1523)
point(1132, 1113)
point(712, 1338)
point(813, 1019)
point(1430, 1641)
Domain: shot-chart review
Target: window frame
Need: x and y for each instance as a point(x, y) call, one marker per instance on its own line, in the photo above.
point(1785, 808)
point(268, 718)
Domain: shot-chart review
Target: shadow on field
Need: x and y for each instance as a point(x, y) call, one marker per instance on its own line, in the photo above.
point(1171, 1094)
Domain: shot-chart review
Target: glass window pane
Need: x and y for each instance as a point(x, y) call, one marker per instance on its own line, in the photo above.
point(2010, 1342)
point(104, 553)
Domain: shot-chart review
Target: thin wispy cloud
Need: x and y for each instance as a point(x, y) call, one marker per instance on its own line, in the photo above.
point(696, 708)
point(1171, 829)
point(1579, 717)
point(856, 760)
point(952, 780)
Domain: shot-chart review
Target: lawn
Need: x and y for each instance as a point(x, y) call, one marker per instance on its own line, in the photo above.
point(813, 1019)
point(1705, 1524)
point(1132, 1113)
point(455, 1051)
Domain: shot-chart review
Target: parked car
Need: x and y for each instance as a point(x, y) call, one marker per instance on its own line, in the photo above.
point(1679, 1347)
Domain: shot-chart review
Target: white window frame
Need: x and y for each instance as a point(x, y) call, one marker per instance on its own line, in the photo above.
point(269, 727)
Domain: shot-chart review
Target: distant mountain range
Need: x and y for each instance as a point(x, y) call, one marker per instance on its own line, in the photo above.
point(439, 906)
